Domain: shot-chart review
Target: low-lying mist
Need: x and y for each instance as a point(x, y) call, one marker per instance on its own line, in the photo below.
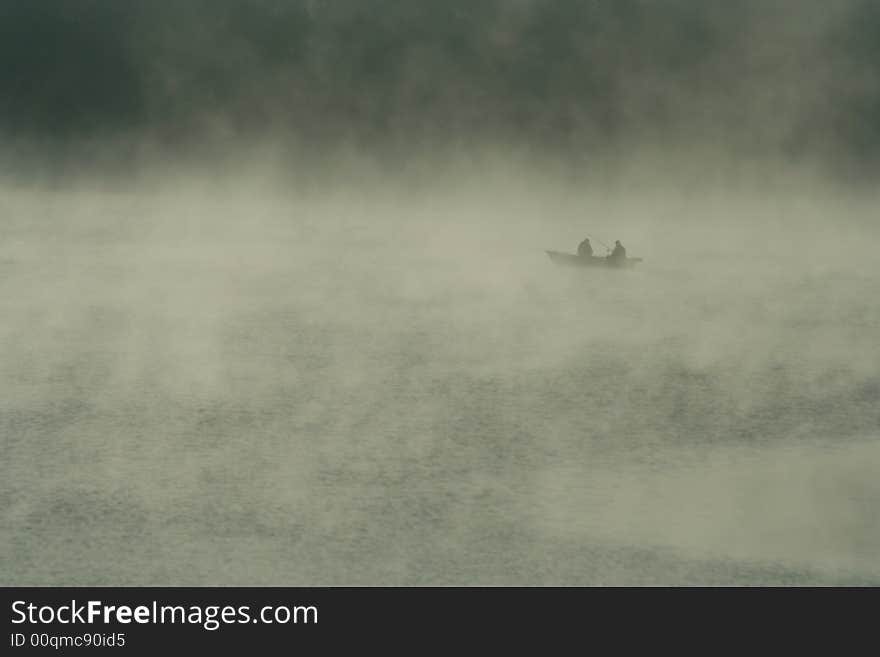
point(232, 380)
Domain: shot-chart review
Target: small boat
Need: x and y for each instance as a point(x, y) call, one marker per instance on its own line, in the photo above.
point(573, 260)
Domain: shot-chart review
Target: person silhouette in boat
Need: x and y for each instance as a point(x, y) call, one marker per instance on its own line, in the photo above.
point(619, 252)
point(585, 249)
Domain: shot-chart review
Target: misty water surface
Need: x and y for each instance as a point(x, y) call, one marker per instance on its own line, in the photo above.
point(222, 383)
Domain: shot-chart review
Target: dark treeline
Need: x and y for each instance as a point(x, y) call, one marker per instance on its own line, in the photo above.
point(791, 77)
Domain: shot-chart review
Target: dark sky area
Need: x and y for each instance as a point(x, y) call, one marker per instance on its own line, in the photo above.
point(792, 78)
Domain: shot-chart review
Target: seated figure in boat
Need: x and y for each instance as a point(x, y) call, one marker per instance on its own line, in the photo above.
point(585, 249)
point(619, 252)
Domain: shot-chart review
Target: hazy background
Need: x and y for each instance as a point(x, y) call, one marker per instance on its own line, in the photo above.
point(274, 306)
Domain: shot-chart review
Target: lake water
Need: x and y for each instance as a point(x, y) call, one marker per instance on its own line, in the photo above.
point(308, 401)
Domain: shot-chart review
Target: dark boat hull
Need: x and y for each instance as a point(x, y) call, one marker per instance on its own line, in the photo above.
point(571, 260)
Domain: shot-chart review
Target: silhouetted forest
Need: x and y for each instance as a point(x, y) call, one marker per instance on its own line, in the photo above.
point(799, 78)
